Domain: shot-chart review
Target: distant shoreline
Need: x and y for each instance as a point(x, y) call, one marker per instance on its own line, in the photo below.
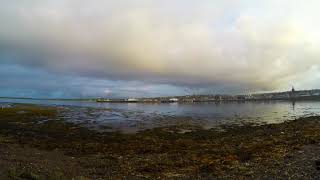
point(317, 98)
point(48, 99)
point(312, 98)
point(304, 95)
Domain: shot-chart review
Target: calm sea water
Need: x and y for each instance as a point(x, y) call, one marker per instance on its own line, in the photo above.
point(133, 117)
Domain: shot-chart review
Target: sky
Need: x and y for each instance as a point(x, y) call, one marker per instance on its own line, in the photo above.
point(131, 48)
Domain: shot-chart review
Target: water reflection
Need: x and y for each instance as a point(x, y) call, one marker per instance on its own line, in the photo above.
point(134, 116)
point(293, 105)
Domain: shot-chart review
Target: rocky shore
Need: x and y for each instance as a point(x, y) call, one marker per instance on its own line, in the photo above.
point(36, 143)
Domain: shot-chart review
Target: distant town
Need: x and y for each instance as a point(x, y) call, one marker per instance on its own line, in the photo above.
point(292, 95)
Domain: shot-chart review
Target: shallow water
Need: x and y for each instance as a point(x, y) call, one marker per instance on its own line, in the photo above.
point(133, 117)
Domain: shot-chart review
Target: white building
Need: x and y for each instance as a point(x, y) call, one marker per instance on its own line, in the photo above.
point(174, 99)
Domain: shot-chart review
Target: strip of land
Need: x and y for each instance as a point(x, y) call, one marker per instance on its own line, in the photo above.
point(36, 143)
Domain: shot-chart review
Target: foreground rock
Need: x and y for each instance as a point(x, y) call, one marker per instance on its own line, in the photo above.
point(33, 148)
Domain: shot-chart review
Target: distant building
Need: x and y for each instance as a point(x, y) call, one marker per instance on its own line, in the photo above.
point(103, 100)
point(314, 93)
point(293, 93)
point(218, 98)
point(188, 99)
point(174, 99)
point(132, 100)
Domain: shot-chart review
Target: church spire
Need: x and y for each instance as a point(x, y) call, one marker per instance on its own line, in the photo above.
point(293, 92)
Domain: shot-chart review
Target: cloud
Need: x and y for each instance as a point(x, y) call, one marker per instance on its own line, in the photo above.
point(246, 45)
point(20, 81)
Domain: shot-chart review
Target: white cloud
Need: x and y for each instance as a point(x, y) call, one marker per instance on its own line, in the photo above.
point(260, 45)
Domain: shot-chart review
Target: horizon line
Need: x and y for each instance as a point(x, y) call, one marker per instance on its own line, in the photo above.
point(94, 98)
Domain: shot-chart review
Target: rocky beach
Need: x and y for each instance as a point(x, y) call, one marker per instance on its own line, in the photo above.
point(37, 143)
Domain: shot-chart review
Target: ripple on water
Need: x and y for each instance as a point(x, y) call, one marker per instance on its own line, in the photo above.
point(144, 116)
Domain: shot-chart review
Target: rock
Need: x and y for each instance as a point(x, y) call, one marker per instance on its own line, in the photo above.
point(80, 178)
point(30, 175)
point(312, 141)
point(317, 162)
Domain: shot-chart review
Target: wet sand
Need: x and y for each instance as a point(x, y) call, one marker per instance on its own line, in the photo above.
point(37, 143)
